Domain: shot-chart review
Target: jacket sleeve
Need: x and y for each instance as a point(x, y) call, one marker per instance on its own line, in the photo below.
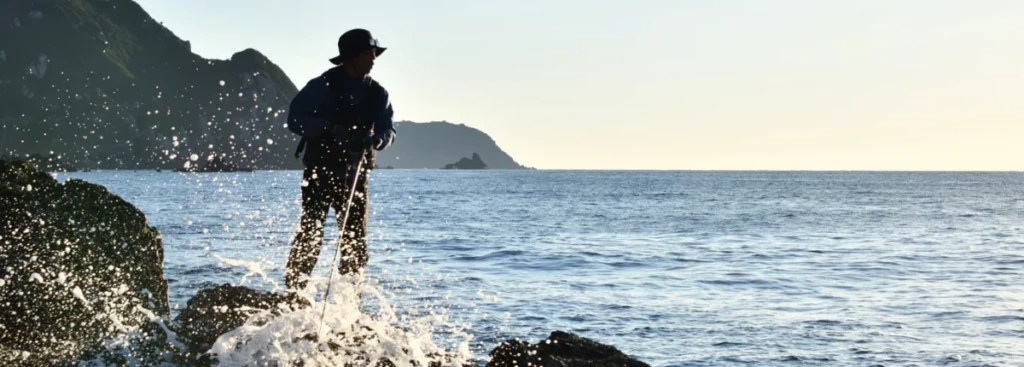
point(303, 117)
point(384, 132)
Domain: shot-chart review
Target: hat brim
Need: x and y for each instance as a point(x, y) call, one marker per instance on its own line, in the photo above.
point(338, 59)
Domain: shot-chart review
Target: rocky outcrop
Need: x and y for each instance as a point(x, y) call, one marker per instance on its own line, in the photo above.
point(77, 265)
point(215, 311)
point(468, 163)
point(561, 349)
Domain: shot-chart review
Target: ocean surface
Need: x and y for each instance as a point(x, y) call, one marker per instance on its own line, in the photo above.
point(673, 268)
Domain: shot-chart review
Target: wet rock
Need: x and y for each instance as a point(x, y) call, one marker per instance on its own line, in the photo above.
point(77, 265)
point(215, 311)
point(561, 349)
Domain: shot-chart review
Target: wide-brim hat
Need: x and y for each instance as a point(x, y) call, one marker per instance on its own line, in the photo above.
point(353, 42)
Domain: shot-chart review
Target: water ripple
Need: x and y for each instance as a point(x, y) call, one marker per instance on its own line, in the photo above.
point(675, 268)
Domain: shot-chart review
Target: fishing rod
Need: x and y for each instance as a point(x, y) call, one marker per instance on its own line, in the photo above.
point(341, 239)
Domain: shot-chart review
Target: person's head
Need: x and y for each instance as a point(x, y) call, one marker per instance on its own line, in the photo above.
point(357, 50)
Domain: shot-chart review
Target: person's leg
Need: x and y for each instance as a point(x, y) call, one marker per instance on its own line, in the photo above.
point(316, 199)
point(354, 254)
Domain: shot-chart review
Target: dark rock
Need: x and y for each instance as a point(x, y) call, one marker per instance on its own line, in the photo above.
point(561, 349)
point(76, 262)
point(466, 163)
point(215, 311)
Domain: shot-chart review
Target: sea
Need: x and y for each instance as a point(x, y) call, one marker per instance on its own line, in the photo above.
point(674, 268)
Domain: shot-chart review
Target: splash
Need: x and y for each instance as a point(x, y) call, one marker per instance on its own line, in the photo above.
point(253, 268)
point(137, 345)
point(340, 331)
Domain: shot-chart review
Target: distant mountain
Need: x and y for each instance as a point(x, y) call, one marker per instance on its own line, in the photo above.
point(435, 144)
point(101, 84)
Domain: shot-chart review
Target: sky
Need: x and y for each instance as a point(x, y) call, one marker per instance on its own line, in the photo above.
point(674, 84)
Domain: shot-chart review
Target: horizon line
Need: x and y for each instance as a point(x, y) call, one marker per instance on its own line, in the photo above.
point(605, 170)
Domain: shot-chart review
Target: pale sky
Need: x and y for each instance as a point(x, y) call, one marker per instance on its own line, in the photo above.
point(781, 84)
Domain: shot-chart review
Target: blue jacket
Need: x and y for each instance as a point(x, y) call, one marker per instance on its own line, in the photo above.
point(305, 117)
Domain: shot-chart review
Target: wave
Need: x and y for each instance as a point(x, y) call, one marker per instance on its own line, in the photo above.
point(339, 329)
